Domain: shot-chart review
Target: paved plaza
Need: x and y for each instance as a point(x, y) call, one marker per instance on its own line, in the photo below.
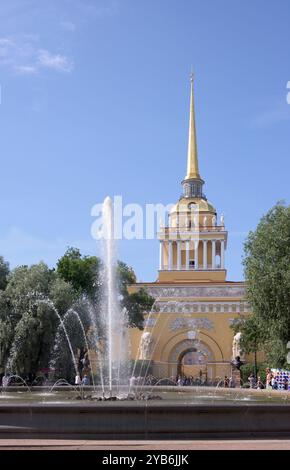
point(41, 444)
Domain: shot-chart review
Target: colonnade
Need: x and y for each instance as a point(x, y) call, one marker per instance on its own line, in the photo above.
point(185, 245)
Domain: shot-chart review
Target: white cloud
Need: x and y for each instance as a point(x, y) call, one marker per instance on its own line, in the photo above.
point(23, 56)
point(54, 61)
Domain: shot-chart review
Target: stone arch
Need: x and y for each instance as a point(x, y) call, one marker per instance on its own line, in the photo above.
point(182, 348)
point(186, 345)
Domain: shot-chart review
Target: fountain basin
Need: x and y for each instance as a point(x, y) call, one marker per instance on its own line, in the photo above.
point(193, 413)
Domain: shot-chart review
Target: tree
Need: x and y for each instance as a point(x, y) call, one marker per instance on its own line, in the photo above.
point(267, 273)
point(137, 303)
point(4, 271)
point(253, 336)
point(30, 297)
point(34, 297)
point(7, 327)
point(80, 271)
point(31, 352)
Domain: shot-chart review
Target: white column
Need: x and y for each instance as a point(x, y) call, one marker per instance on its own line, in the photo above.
point(196, 254)
point(222, 254)
point(170, 255)
point(187, 255)
point(161, 255)
point(204, 254)
point(178, 255)
point(213, 254)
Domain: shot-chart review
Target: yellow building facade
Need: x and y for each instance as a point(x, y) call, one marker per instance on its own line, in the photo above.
point(188, 332)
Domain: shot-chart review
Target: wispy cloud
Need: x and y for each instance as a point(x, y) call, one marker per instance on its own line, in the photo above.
point(54, 61)
point(24, 56)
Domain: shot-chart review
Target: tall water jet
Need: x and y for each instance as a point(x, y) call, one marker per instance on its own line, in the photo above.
point(114, 320)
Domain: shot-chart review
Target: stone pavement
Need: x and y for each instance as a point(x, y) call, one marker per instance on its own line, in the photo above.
point(42, 444)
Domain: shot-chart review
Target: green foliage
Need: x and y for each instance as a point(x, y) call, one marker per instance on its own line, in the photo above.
point(33, 339)
point(62, 295)
point(28, 284)
point(29, 321)
point(248, 369)
point(80, 271)
point(267, 272)
point(137, 303)
point(4, 271)
point(253, 333)
point(29, 324)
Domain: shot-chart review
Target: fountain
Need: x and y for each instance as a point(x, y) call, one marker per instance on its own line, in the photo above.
point(113, 317)
point(122, 406)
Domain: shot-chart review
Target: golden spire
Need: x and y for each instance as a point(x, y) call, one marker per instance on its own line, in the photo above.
point(192, 161)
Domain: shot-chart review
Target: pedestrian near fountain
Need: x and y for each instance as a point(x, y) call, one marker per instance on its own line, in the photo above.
point(269, 377)
point(232, 383)
point(78, 380)
point(132, 381)
point(260, 384)
point(226, 382)
point(274, 383)
point(252, 380)
point(5, 380)
point(86, 380)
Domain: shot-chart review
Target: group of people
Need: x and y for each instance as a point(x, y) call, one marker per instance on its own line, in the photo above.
point(255, 383)
point(271, 382)
point(183, 380)
point(85, 380)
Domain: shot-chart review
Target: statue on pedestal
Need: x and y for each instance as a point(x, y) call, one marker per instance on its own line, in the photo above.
point(237, 345)
point(146, 346)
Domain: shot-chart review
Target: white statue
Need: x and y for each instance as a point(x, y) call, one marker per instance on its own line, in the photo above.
point(237, 351)
point(195, 220)
point(205, 221)
point(214, 221)
point(222, 220)
point(146, 345)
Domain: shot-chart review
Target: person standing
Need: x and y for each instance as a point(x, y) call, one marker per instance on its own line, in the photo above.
point(5, 380)
point(269, 377)
point(78, 380)
point(260, 384)
point(86, 380)
point(252, 380)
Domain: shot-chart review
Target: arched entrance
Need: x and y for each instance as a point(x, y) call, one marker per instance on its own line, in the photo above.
point(191, 363)
point(190, 358)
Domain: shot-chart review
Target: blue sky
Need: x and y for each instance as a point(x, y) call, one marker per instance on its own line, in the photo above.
point(95, 99)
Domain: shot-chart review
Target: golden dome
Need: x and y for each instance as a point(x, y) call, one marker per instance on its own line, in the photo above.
point(183, 206)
